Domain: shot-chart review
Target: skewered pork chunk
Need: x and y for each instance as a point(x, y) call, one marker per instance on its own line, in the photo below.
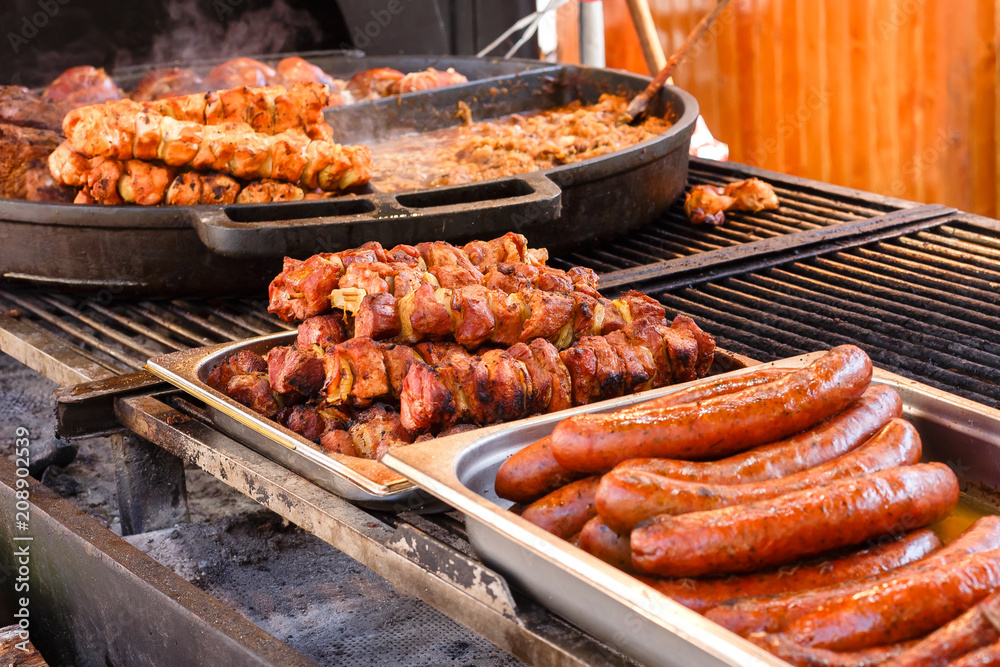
point(167, 82)
point(293, 372)
point(462, 388)
point(240, 72)
point(243, 362)
point(474, 315)
point(82, 86)
point(253, 391)
point(360, 371)
point(338, 441)
point(296, 294)
point(376, 430)
point(324, 331)
point(20, 106)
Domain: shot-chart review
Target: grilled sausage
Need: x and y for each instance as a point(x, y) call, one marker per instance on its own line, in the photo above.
point(705, 429)
point(599, 540)
point(565, 511)
point(836, 436)
point(988, 655)
point(626, 497)
point(703, 594)
point(796, 525)
point(908, 605)
point(807, 656)
point(773, 614)
point(972, 630)
point(532, 472)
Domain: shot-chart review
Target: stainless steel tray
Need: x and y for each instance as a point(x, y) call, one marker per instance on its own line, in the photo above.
point(612, 605)
point(361, 480)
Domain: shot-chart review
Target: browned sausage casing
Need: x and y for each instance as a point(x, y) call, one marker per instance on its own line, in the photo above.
point(796, 525)
point(599, 540)
point(973, 629)
point(775, 613)
point(807, 656)
point(626, 497)
point(532, 472)
point(826, 441)
point(703, 594)
point(988, 655)
point(718, 426)
point(908, 605)
point(564, 511)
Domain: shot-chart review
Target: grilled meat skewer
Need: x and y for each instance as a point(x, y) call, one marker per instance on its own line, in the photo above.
point(304, 287)
point(474, 315)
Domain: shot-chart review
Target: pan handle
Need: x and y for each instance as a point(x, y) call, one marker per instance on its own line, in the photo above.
point(454, 213)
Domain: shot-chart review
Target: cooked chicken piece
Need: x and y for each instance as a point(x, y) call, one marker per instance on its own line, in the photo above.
point(425, 80)
point(190, 188)
point(752, 194)
point(167, 82)
point(127, 131)
point(82, 86)
point(20, 106)
point(269, 190)
point(67, 166)
point(128, 181)
point(296, 70)
point(21, 149)
point(372, 84)
point(707, 204)
point(240, 72)
point(270, 110)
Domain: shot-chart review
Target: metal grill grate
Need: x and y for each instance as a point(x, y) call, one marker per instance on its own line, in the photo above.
point(121, 335)
point(924, 305)
point(673, 236)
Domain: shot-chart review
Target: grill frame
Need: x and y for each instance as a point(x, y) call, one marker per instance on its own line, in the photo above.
point(409, 550)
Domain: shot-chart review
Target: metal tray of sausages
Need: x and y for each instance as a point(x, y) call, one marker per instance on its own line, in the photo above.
point(611, 605)
point(361, 480)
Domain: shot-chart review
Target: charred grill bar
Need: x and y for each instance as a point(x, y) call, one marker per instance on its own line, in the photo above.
point(912, 284)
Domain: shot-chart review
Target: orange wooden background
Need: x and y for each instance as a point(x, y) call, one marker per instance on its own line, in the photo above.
point(894, 96)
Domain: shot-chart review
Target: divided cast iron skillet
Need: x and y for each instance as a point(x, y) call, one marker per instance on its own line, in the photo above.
point(212, 250)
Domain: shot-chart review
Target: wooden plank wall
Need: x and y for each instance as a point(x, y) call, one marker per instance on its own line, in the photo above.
point(894, 96)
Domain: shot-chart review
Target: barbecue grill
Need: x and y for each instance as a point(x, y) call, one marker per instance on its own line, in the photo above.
point(914, 285)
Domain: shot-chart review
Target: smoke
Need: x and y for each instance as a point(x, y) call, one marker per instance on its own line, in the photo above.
point(224, 28)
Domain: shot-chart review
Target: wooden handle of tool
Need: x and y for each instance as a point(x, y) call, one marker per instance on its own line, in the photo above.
point(638, 105)
point(649, 39)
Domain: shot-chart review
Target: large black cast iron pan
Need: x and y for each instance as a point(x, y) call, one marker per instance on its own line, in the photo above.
point(171, 251)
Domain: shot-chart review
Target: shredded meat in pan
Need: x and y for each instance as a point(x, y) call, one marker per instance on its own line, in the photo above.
point(515, 144)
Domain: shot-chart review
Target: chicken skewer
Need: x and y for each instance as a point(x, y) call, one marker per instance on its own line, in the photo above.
point(269, 110)
point(474, 315)
point(231, 148)
point(304, 287)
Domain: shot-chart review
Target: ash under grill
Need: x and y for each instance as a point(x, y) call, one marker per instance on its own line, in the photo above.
point(924, 305)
